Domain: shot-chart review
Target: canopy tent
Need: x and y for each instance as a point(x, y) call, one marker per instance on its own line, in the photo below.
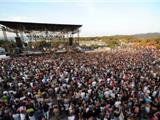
point(40, 31)
point(30, 26)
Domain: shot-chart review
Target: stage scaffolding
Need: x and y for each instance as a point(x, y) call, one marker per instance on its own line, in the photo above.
point(41, 31)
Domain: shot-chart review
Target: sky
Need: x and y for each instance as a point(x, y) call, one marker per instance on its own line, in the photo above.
point(98, 17)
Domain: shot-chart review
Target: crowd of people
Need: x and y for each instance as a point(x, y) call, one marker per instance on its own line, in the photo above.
point(119, 85)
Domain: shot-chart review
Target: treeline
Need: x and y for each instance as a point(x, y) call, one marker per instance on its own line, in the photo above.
point(110, 41)
point(6, 43)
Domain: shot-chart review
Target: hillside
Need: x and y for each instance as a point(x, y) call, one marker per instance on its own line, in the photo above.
point(147, 35)
point(147, 39)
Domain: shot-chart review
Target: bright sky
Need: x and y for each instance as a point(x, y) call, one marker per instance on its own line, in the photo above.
point(98, 17)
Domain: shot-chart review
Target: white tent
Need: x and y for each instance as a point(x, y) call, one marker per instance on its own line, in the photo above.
point(2, 51)
point(3, 54)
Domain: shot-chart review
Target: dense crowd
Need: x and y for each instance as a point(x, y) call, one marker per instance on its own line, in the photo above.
point(119, 85)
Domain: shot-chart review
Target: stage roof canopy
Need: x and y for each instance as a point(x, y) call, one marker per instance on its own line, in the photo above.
point(30, 26)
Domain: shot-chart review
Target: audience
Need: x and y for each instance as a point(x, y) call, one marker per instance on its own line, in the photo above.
point(117, 85)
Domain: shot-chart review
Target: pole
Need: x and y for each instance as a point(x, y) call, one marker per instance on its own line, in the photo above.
point(30, 40)
point(4, 33)
point(78, 36)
